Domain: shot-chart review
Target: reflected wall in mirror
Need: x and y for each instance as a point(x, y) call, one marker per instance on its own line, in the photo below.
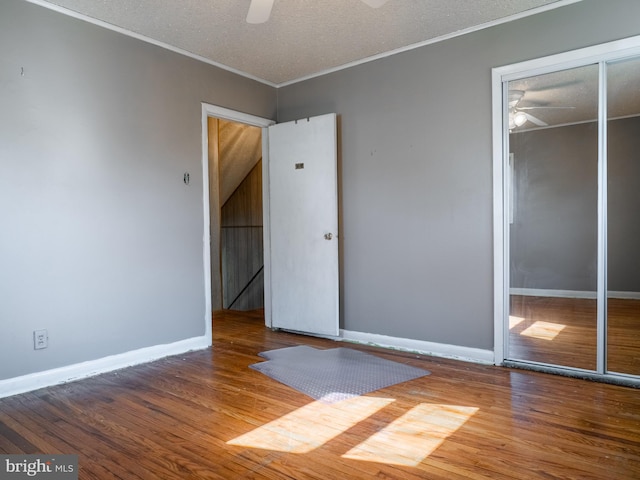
point(623, 217)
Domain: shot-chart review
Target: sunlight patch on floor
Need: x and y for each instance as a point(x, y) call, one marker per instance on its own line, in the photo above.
point(414, 436)
point(514, 321)
point(543, 330)
point(311, 426)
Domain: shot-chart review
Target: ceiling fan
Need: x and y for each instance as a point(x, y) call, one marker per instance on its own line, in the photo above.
point(260, 10)
point(517, 115)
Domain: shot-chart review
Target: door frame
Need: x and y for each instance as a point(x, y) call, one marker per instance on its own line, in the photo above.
point(599, 54)
point(209, 110)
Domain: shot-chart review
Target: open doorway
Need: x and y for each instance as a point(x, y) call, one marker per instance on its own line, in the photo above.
point(299, 199)
point(239, 168)
point(234, 210)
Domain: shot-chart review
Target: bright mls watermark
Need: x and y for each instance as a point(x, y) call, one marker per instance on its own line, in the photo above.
point(51, 467)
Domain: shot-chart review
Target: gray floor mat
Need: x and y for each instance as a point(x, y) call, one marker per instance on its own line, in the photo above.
point(334, 374)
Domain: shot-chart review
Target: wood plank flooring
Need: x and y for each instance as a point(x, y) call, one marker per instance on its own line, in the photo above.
point(206, 415)
point(562, 331)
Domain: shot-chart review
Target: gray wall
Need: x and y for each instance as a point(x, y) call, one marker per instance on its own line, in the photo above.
point(101, 241)
point(623, 216)
point(416, 170)
point(554, 234)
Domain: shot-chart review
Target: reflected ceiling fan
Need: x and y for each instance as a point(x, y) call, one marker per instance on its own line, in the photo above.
point(260, 10)
point(517, 115)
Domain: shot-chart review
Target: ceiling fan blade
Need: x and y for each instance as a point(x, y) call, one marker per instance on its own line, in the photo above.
point(375, 3)
point(259, 11)
point(556, 86)
point(548, 108)
point(536, 120)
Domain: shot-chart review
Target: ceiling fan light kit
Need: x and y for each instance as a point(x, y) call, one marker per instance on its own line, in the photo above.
point(259, 11)
point(519, 119)
point(375, 3)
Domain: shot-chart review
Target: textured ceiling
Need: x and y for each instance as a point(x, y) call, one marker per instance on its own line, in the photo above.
point(302, 38)
point(240, 149)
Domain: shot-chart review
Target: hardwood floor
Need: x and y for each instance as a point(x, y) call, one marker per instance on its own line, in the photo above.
point(554, 330)
point(562, 331)
point(623, 336)
point(206, 415)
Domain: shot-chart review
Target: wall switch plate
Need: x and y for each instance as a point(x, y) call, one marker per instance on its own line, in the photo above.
point(40, 339)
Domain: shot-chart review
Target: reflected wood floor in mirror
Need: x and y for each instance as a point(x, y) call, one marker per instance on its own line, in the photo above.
point(206, 414)
point(562, 331)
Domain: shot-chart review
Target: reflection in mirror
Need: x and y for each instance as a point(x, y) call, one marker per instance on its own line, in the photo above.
point(623, 220)
point(553, 142)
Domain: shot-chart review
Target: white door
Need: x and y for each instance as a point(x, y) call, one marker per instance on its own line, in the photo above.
point(304, 225)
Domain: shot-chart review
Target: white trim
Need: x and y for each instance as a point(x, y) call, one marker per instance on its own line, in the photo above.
point(623, 295)
point(601, 317)
point(547, 292)
point(431, 41)
point(570, 124)
point(209, 110)
point(206, 237)
point(137, 36)
point(266, 227)
point(236, 116)
point(456, 352)
point(129, 33)
point(606, 52)
point(500, 244)
point(78, 371)
point(544, 292)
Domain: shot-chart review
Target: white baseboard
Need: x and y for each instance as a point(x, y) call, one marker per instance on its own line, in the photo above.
point(456, 352)
point(543, 292)
point(625, 295)
point(47, 378)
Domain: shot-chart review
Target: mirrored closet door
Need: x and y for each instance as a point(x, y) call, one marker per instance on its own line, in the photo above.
point(571, 217)
point(553, 229)
point(623, 217)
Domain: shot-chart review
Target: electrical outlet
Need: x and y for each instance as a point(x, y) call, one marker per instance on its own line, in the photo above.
point(40, 339)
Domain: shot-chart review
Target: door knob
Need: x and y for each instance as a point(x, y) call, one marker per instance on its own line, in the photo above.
point(328, 236)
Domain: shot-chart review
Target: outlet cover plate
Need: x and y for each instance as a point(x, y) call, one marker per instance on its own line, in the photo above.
point(40, 339)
